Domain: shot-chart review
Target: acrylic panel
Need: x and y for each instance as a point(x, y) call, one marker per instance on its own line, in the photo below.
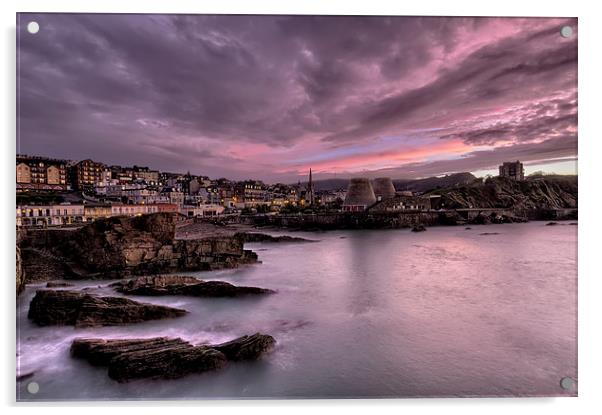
point(272, 206)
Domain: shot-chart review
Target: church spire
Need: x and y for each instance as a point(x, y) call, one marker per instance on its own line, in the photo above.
point(310, 189)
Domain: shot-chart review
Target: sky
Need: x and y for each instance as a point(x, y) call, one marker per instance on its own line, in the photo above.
point(269, 97)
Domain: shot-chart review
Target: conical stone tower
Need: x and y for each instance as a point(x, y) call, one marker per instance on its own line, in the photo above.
point(360, 195)
point(383, 188)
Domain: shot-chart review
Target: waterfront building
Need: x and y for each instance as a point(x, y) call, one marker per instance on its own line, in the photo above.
point(185, 181)
point(202, 210)
point(40, 173)
point(360, 195)
point(106, 178)
point(50, 215)
point(402, 203)
point(144, 174)
point(328, 197)
point(87, 174)
point(144, 195)
point(93, 212)
point(513, 170)
point(252, 193)
point(210, 195)
point(169, 179)
point(174, 196)
point(167, 207)
point(132, 210)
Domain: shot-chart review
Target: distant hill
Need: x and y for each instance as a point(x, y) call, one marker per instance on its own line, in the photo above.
point(330, 184)
point(417, 185)
point(431, 183)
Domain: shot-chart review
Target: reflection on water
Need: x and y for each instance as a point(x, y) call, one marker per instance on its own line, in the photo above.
point(447, 312)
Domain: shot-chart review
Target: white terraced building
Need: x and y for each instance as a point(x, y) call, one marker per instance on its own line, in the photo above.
point(50, 215)
point(59, 215)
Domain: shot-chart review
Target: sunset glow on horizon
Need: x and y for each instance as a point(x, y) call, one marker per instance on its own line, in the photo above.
point(269, 97)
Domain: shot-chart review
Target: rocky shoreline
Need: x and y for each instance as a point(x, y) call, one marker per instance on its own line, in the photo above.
point(400, 220)
point(120, 247)
point(142, 249)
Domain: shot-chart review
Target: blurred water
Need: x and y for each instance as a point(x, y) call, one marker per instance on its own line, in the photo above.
point(387, 313)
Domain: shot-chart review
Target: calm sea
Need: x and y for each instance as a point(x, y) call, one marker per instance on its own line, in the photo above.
point(384, 313)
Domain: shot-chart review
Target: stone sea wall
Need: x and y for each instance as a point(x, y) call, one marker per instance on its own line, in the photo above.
point(407, 219)
point(342, 220)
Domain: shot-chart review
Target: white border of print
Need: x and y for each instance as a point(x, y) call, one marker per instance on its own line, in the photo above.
point(590, 285)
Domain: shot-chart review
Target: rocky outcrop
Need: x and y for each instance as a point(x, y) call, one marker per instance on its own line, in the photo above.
point(54, 284)
point(418, 228)
point(61, 307)
point(542, 193)
point(123, 246)
point(183, 285)
point(40, 264)
point(166, 358)
point(263, 237)
point(487, 218)
point(20, 276)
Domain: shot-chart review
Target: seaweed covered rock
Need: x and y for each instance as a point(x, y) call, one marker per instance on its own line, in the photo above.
point(166, 358)
point(246, 347)
point(58, 307)
point(183, 285)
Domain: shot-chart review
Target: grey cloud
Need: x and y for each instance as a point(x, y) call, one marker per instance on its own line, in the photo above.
point(91, 83)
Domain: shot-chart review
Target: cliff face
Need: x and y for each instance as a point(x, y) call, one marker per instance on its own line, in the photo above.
point(20, 274)
point(122, 246)
point(542, 193)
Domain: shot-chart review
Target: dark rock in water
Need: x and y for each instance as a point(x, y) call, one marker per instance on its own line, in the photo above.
point(481, 219)
point(551, 223)
point(418, 228)
point(100, 352)
point(449, 218)
point(166, 358)
point(154, 282)
point(58, 284)
point(489, 233)
point(467, 228)
point(50, 307)
point(246, 347)
point(23, 376)
point(220, 289)
point(167, 363)
point(181, 285)
point(263, 237)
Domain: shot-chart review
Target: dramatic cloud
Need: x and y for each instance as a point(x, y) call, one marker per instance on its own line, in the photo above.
point(271, 96)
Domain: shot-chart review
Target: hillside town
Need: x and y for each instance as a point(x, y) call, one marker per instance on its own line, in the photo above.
point(58, 192)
